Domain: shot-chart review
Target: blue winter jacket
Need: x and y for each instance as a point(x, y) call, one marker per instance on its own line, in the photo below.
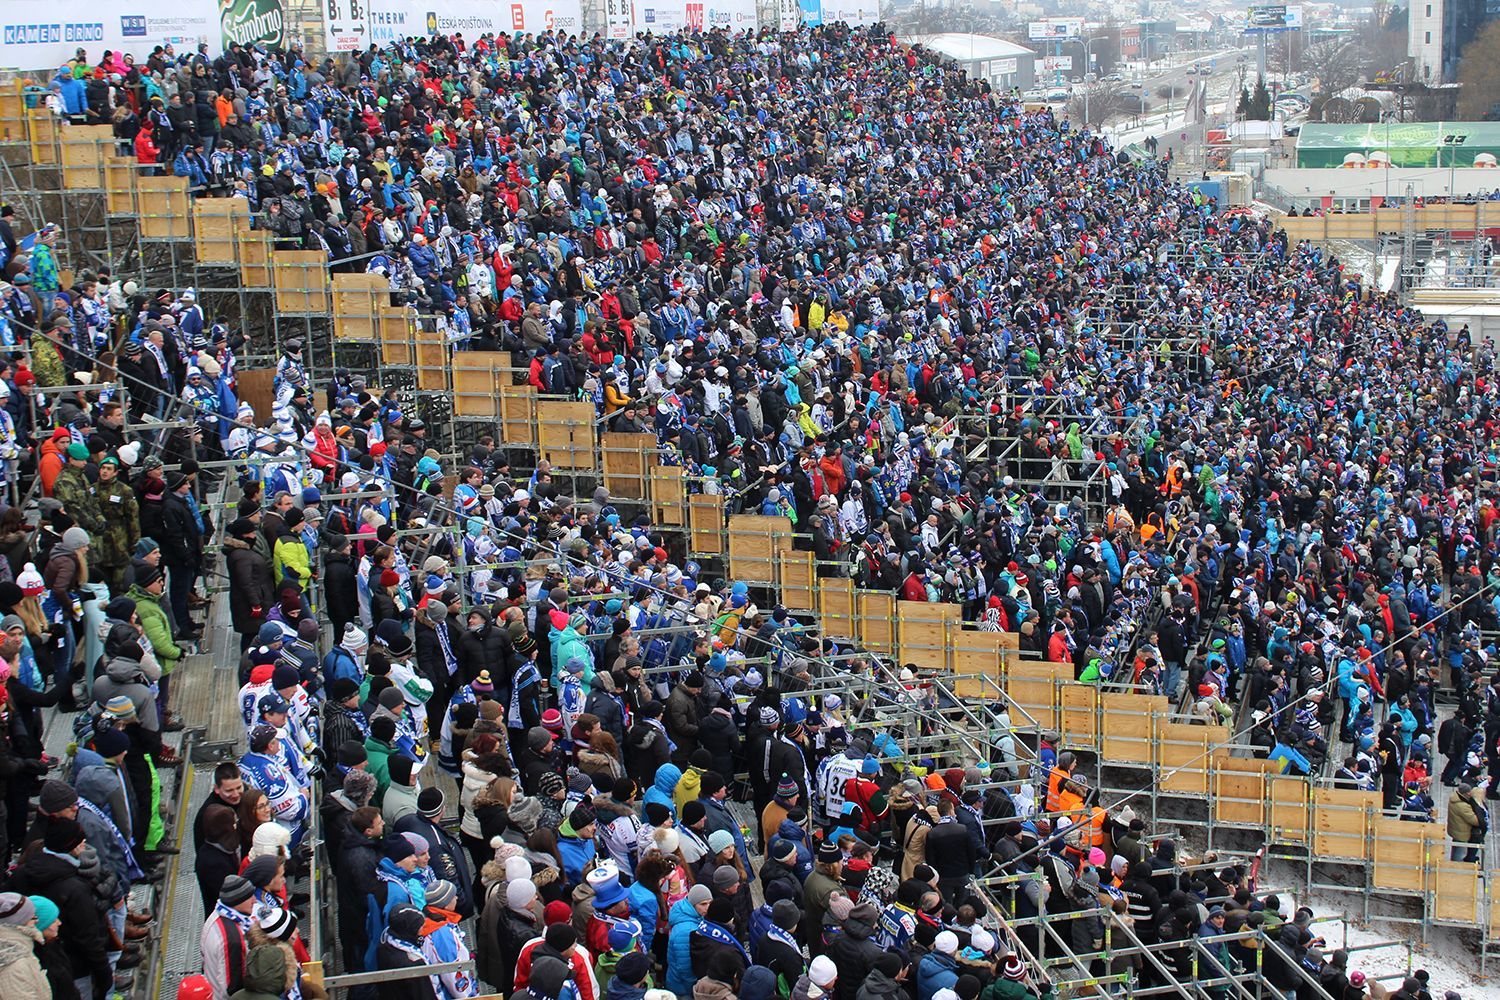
point(660, 791)
point(682, 920)
point(935, 972)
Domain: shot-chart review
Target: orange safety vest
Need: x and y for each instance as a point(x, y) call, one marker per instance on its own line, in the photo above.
point(1055, 778)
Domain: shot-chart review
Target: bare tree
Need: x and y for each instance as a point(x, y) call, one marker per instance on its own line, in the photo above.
point(1337, 64)
point(1479, 76)
point(1106, 102)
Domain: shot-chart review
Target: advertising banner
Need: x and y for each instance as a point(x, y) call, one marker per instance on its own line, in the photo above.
point(252, 22)
point(1056, 64)
point(393, 19)
point(789, 14)
point(1264, 19)
point(44, 34)
point(855, 13)
point(812, 12)
point(1055, 29)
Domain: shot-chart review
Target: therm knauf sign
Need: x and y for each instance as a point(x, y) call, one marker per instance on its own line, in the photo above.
point(253, 22)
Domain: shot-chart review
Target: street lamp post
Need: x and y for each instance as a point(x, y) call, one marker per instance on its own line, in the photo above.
point(1087, 62)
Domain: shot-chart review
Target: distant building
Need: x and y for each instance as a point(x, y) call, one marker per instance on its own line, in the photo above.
point(1004, 64)
point(1439, 30)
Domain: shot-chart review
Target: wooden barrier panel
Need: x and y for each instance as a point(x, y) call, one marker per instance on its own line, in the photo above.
point(1455, 888)
point(301, 280)
point(877, 621)
point(1079, 707)
point(754, 540)
point(978, 653)
point(1032, 686)
point(164, 209)
point(1239, 789)
point(214, 231)
point(518, 414)
point(1182, 753)
point(254, 254)
point(668, 493)
point(1341, 821)
point(254, 387)
point(474, 381)
point(41, 131)
point(431, 359)
point(358, 301)
point(12, 111)
point(922, 630)
point(119, 185)
point(1400, 854)
point(1290, 807)
point(82, 149)
point(798, 575)
point(625, 458)
point(565, 433)
point(1129, 723)
point(1494, 906)
point(706, 523)
point(836, 606)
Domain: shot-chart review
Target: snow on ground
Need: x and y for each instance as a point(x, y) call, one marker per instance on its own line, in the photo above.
point(1451, 961)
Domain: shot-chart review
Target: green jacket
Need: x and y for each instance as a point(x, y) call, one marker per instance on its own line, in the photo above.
point(118, 509)
point(1009, 989)
point(292, 561)
point(156, 626)
point(47, 363)
point(379, 765)
point(74, 491)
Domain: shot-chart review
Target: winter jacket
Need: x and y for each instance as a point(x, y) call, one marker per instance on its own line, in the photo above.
point(157, 628)
point(1463, 820)
point(603, 704)
point(82, 928)
point(682, 722)
point(21, 973)
point(718, 735)
point(661, 787)
point(935, 971)
point(854, 952)
point(682, 919)
point(126, 677)
point(879, 986)
point(251, 589)
point(265, 974)
point(646, 753)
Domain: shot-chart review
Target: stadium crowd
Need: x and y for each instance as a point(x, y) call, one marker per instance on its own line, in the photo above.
point(819, 267)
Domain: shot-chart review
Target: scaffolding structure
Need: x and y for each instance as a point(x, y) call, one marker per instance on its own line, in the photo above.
point(975, 689)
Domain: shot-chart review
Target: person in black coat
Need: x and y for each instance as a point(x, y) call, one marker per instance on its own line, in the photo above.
point(604, 705)
point(339, 593)
point(401, 948)
point(218, 856)
point(355, 870)
point(447, 858)
point(718, 734)
point(181, 546)
point(774, 951)
point(950, 851)
point(251, 588)
point(854, 952)
point(55, 873)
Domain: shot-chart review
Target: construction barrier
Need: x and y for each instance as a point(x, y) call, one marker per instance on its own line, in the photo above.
point(215, 239)
point(82, 150)
point(164, 209)
point(301, 281)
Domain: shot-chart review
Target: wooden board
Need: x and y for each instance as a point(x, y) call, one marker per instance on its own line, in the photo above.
point(255, 389)
point(254, 247)
point(876, 612)
point(625, 458)
point(517, 415)
point(668, 486)
point(163, 208)
point(119, 185)
point(706, 523)
point(301, 281)
point(797, 574)
point(1239, 785)
point(473, 381)
point(1399, 852)
point(1455, 889)
point(1031, 686)
point(1079, 719)
point(1290, 808)
point(83, 149)
point(753, 541)
point(215, 239)
point(922, 630)
point(565, 433)
point(432, 360)
point(358, 301)
point(836, 606)
point(977, 653)
point(1341, 822)
point(1129, 724)
point(41, 131)
point(12, 112)
point(1183, 755)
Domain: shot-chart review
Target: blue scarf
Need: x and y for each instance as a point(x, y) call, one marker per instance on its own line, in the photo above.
point(718, 934)
point(133, 871)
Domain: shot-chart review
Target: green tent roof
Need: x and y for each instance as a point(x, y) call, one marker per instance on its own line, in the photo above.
point(1410, 144)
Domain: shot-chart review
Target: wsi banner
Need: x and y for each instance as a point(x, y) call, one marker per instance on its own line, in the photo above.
point(662, 17)
point(44, 34)
point(855, 13)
